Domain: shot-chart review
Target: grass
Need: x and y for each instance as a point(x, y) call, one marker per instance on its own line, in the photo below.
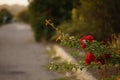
point(103, 73)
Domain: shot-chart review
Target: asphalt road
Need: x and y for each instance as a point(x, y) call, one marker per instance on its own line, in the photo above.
point(21, 58)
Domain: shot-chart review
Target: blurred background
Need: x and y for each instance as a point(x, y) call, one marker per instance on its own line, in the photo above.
point(100, 18)
point(77, 17)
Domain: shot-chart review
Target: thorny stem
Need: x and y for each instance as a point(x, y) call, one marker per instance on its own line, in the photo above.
point(48, 22)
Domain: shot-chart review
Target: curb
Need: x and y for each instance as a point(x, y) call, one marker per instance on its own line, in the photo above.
point(81, 75)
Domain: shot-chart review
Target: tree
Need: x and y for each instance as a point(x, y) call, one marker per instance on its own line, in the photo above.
point(5, 16)
point(23, 16)
point(56, 10)
point(101, 16)
point(97, 17)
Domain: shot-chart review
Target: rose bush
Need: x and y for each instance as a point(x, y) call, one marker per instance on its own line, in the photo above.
point(96, 52)
point(84, 40)
point(102, 52)
point(90, 57)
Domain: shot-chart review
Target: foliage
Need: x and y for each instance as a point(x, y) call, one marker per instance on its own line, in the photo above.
point(101, 14)
point(65, 39)
point(63, 67)
point(40, 30)
point(113, 78)
point(23, 16)
point(114, 43)
point(97, 53)
point(98, 18)
point(40, 10)
point(4, 12)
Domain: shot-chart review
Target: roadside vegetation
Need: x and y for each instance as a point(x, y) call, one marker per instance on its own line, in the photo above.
point(81, 25)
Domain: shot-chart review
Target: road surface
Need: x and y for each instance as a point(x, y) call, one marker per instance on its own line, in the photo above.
point(21, 58)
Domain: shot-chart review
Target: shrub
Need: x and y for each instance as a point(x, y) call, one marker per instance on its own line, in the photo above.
point(5, 16)
point(114, 43)
point(99, 18)
point(23, 16)
point(98, 56)
point(56, 10)
point(40, 30)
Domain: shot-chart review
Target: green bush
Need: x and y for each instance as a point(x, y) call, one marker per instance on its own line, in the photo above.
point(105, 59)
point(99, 18)
point(23, 16)
point(80, 28)
point(114, 42)
point(55, 10)
point(5, 13)
point(40, 30)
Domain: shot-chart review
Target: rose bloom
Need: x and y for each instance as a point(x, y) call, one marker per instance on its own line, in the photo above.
point(90, 57)
point(84, 40)
point(107, 56)
point(89, 38)
point(100, 61)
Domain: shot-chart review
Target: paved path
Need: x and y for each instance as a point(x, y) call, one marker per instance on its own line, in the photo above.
point(21, 58)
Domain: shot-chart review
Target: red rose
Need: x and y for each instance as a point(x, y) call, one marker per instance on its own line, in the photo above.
point(89, 38)
point(90, 57)
point(87, 61)
point(83, 46)
point(84, 40)
point(107, 56)
point(100, 61)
